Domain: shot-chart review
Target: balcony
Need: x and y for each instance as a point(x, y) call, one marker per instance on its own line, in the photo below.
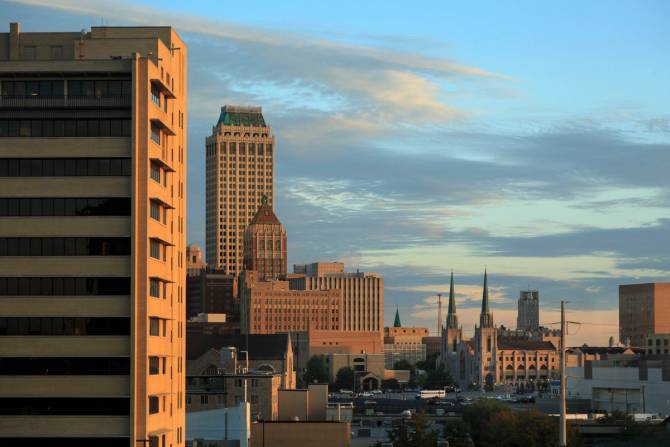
point(64, 102)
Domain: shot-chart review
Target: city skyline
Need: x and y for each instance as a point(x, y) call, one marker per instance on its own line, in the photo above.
point(412, 152)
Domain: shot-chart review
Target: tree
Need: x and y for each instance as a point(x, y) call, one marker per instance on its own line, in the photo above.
point(345, 378)
point(316, 370)
point(457, 433)
point(479, 416)
point(415, 432)
point(438, 378)
point(404, 365)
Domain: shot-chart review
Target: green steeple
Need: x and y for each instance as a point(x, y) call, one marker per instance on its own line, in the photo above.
point(396, 323)
point(485, 318)
point(452, 319)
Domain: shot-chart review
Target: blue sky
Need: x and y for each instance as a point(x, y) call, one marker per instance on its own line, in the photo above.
point(530, 137)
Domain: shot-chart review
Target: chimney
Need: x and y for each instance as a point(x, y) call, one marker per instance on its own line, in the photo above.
point(14, 39)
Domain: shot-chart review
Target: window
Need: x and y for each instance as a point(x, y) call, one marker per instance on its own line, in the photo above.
point(155, 287)
point(155, 134)
point(29, 366)
point(153, 365)
point(153, 404)
point(155, 249)
point(64, 286)
point(64, 246)
point(156, 172)
point(65, 128)
point(155, 95)
point(154, 326)
point(155, 210)
point(93, 406)
point(64, 326)
point(204, 399)
point(115, 206)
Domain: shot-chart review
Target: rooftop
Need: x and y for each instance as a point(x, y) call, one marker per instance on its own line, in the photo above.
point(241, 116)
point(261, 346)
point(525, 345)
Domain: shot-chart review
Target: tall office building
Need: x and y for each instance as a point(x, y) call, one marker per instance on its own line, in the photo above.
point(92, 237)
point(644, 310)
point(362, 293)
point(528, 311)
point(240, 171)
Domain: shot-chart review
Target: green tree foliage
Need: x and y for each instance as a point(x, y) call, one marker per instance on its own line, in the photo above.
point(438, 378)
point(403, 364)
point(415, 432)
point(493, 424)
point(345, 378)
point(316, 371)
point(457, 433)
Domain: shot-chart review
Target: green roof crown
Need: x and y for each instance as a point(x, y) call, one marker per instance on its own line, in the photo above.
point(396, 323)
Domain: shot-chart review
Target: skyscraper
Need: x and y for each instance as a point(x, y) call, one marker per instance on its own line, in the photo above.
point(265, 244)
point(528, 314)
point(92, 237)
point(240, 171)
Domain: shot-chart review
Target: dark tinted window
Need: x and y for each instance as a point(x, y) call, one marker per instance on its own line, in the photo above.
point(69, 442)
point(64, 365)
point(65, 128)
point(63, 286)
point(115, 206)
point(65, 246)
point(64, 406)
point(64, 326)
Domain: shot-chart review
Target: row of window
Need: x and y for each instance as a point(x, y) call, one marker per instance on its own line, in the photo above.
point(64, 286)
point(53, 406)
point(37, 366)
point(242, 149)
point(65, 128)
point(113, 206)
point(56, 88)
point(65, 246)
point(69, 442)
point(64, 326)
point(64, 167)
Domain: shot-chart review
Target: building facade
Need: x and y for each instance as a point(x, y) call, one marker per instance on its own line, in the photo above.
point(493, 357)
point(658, 344)
point(644, 309)
point(270, 307)
point(212, 291)
point(403, 343)
point(265, 244)
point(362, 293)
point(240, 165)
point(92, 236)
point(528, 311)
point(194, 261)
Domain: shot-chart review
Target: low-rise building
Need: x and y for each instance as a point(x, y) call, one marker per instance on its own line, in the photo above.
point(368, 368)
point(636, 384)
point(658, 344)
point(269, 353)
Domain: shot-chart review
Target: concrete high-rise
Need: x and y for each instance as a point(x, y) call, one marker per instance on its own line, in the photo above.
point(240, 158)
point(362, 293)
point(644, 309)
point(528, 311)
point(92, 237)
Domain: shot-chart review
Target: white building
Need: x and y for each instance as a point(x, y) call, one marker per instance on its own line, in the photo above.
point(635, 385)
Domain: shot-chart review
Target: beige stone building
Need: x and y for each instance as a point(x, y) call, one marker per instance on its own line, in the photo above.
point(644, 309)
point(194, 262)
point(362, 293)
point(92, 236)
point(240, 158)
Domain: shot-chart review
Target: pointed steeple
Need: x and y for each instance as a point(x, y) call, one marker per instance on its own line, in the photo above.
point(396, 323)
point(485, 318)
point(452, 319)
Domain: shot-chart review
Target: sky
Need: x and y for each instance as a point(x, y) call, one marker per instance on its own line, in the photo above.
point(527, 137)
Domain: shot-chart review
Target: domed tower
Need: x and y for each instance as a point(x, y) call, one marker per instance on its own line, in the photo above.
point(194, 262)
point(265, 244)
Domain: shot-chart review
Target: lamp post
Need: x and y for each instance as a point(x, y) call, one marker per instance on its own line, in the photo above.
point(245, 371)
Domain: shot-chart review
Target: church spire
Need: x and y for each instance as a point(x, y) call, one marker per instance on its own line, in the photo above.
point(452, 319)
point(396, 323)
point(486, 317)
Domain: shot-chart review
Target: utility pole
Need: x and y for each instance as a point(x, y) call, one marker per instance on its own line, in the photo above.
point(439, 314)
point(562, 435)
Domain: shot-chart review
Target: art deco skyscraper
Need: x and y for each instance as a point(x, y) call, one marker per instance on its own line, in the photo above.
point(240, 172)
point(92, 237)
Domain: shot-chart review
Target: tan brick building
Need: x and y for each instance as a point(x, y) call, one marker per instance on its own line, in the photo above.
point(270, 307)
point(92, 236)
point(644, 309)
point(362, 293)
point(240, 158)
